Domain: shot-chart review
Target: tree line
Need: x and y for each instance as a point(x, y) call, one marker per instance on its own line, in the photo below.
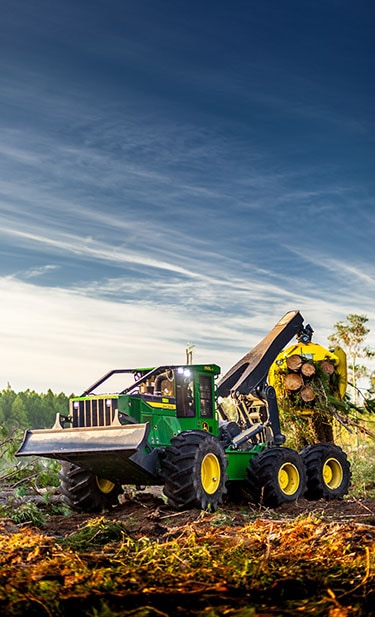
point(29, 409)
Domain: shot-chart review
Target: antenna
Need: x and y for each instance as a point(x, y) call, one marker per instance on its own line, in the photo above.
point(189, 353)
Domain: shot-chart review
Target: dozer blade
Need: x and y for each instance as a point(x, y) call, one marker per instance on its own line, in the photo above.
point(118, 453)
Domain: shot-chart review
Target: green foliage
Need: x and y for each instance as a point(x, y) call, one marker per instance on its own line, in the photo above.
point(29, 409)
point(351, 335)
point(105, 611)
point(9, 442)
point(351, 332)
point(42, 472)
point(97, 532)
point(370, 405)
point(27, 512)
point(357, 438)
point(24, 480)
point(22, 509)
point(363, 470)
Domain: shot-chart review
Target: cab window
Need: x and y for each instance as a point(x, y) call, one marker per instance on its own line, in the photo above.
point(185, 400)
point(205, 387)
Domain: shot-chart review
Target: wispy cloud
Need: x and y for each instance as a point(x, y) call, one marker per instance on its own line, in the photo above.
point(37, 272)
point(43, 327)
point(89, 248)
point(165, 188)
point(360, 274)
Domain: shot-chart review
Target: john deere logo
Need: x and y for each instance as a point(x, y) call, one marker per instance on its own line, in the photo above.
point(205, 426)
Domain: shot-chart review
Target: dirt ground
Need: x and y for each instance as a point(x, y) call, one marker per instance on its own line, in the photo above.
point(146, 514)
point(307, 540)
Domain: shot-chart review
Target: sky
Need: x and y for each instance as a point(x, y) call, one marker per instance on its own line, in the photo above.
point(180, 172)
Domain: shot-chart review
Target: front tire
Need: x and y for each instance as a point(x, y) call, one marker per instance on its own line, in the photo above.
point(328, 471)
point(82, 491)
point(276, 476)
point(193, 468)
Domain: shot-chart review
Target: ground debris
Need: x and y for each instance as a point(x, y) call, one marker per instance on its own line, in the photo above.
point(303, 557)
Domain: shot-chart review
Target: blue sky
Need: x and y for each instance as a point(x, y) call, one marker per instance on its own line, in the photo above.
point(177, 172)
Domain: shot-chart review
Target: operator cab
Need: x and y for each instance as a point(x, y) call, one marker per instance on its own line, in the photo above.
point(194, 394)
point(189, 389)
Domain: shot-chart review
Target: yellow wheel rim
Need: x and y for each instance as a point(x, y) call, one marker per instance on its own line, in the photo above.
point(210, 473)
point(289, 478)
point(332, 473)
point(105, 486)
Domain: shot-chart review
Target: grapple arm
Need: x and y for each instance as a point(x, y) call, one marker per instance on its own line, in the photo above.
point(250, 373)
point(248, 377)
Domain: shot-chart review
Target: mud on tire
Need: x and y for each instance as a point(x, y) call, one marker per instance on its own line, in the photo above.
point(276, 476)
point(82, 491)
point(193, 469)
point(328, 471)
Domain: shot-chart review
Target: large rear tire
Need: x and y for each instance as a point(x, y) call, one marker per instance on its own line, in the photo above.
point(82, 491)
point(193, 468)
point(328, 471)
point(276, 476)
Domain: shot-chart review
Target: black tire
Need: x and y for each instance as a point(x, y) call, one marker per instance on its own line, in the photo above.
point(328, 471)
point(82, 491)
point(276, 476)
point(193, 469)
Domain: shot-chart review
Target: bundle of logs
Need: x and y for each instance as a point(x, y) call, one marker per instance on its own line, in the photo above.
point(305, 409)
point(301, 372)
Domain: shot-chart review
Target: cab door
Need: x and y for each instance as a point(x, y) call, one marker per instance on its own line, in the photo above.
point(205, 402)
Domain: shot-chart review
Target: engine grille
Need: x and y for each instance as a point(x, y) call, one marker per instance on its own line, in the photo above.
point(93, 412)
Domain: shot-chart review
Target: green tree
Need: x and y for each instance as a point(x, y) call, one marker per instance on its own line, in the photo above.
point(30, 409)
point(62, 404)
point(7, 397)
point(41, 408)
point(18, 414)
point(351, 335)
point(31, 400)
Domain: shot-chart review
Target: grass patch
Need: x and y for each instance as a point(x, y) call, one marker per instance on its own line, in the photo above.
point(359, 445)
point(96, 533)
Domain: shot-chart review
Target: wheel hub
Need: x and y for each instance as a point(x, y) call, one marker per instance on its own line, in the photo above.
point(332, 473)
point(288, 478)
point(105, 486)
point(210, 473)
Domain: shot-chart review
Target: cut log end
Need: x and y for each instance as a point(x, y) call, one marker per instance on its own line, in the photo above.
point(308, 369)
point(307, 394)
point(294, 362)
point(293, 382)
point(327, 367)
